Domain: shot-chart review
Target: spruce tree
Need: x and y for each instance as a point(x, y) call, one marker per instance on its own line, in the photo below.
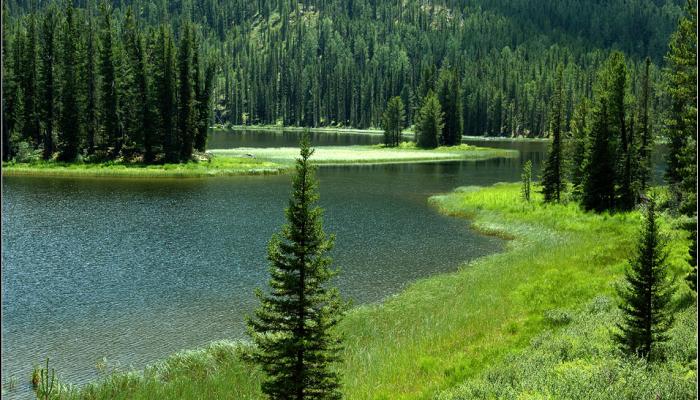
point(526, 178)
point(393, 121)
point(646, 140)
point(552, 176)
point(692, 277)
point(108, 92)
point(647, 293)
point(294, 326)
point(90, 116)
point(165, 90)
point(681, 122)
point(577, 148)
point(185, 99)
point(599, 178)
point(46, 82)
point(429, 122)
point(70, 111)
point(204, 95)
point(450, 97)
point(31, 124)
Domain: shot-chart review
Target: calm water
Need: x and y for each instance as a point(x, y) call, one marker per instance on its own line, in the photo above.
point(134, 270)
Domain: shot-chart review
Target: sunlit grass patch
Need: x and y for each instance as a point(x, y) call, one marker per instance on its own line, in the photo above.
point(369, 154)
point(217, 166)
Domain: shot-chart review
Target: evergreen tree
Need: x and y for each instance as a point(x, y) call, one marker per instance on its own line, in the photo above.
point(293, 327)
point(599, 177)
point(577, 148)
point(204, 93)
point(108, 92)
point(450, 97)
point(46, 83)
point(646, 140)
point(681, 123)
point(552, 177)
point(619, 126)
point(165, 88)
point(185, 100)
point(70, 111)
point(31, 124)
point(429, 122)
point(692, 277)
point(526, 178)
point(90, 112)
point(646, 296)
point(393, 121)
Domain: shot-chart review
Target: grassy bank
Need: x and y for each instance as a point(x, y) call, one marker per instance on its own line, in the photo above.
point(218, 166)
point(461, 335)
point(378, 154)
point(254, 161)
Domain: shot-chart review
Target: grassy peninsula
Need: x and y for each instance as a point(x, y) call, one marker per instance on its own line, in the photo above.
point(253, 161)
point(462, 335)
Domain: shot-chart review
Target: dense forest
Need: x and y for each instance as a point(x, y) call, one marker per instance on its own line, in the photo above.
point(316, 63)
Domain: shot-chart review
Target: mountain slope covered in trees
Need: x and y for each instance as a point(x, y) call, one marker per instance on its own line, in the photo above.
point(337, 63)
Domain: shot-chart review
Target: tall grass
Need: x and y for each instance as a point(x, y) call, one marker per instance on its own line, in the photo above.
point(457, 333)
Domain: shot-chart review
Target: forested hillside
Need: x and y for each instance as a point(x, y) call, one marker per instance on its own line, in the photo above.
point(338, 62)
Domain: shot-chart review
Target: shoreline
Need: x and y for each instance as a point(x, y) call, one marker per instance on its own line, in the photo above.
point(447, 329)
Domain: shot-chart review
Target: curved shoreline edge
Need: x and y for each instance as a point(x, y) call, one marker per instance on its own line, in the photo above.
point(445, 330)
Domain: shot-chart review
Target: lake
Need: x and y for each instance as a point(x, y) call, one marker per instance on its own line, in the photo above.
point(135, 269)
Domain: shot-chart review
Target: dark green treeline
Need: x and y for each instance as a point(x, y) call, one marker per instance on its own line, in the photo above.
point(338, 62)
point(99, 83)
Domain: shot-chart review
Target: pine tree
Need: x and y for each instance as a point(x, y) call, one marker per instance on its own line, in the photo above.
point(692, 277)
point(393, 121)
point(552, 177)
point(646, 296)
point(294, 326)
point(165, 88)
point(619, 126)
point(185, 99)
point(108, 92)
point(681, 123)
point(70, 111)
point(46, 82)
point(599, 177)
point(31, 124)
point(90, 112)
point(450, 97)
point(577, 148)
point(203, 95)
point(429, 122)
point(526, 178)
point(646, 140)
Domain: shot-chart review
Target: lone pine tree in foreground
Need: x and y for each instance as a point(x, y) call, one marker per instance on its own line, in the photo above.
point(646, 296)
point(293, 327)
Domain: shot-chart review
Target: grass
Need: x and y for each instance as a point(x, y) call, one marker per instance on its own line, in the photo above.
point(218, 166)
point(466, 334)
point(377, 154)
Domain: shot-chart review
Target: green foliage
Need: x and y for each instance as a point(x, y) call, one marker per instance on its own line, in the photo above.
point(681, 121)
point(450, 97)
point(69, 122)
point(294, 326)
point(576, 153)
point(429, 123)
point(552, 184)
point(393, 121)
point(647, 293)
point(526, 178)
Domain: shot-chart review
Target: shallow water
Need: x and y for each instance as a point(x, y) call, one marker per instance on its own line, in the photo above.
point(136, 269)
